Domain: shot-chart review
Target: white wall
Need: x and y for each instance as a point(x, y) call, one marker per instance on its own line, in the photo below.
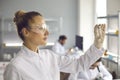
point(86, 21)
point(67, 9)
point(113, 6)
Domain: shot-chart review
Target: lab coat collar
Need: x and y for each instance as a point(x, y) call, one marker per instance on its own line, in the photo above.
point(29, 52)
point(59, 43)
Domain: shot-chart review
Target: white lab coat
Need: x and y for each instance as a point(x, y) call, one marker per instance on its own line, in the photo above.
point(46, 65)
point(59, 49)
point(91, 74)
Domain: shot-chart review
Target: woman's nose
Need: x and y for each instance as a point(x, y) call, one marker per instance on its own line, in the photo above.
point(46, 32)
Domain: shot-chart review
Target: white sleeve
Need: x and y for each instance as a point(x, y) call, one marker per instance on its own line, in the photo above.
point(11, 73)
point(73, 65)
point(104, 71)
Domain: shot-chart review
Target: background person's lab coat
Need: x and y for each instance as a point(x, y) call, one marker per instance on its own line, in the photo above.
point(59, 49)
point(91, 74)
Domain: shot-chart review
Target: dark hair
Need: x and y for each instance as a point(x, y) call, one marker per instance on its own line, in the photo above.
point(22, 19)
point(62, 37)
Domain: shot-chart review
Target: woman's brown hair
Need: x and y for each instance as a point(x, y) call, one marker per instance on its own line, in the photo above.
point(22, 19)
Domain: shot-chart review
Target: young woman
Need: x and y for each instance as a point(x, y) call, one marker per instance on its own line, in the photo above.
point(34, 64)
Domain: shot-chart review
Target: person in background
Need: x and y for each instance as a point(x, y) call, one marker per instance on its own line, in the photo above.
point(58, 47)
point(32, 63)
point(97, 71)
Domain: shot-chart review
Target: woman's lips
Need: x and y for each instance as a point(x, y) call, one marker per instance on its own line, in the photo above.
point(45, 38)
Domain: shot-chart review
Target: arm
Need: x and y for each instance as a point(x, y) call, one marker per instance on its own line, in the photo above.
point(85, 61)
point(73, 65)
point(11, 73)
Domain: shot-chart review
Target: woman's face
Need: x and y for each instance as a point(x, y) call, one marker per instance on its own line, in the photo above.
point(37, 33)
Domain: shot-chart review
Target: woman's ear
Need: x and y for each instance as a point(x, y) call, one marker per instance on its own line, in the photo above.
point(25, 32)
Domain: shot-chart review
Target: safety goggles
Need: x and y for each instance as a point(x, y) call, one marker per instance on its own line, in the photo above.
point(39, 29)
